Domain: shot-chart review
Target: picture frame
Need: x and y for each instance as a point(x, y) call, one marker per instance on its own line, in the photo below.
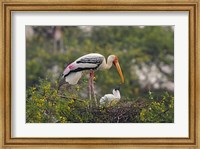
point(7, 7)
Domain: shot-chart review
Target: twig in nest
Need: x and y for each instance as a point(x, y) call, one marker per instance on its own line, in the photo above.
point(118, 119)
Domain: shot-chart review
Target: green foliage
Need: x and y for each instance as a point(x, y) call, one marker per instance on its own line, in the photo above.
point(160, 110)
point(46, 104)
point(135, 46)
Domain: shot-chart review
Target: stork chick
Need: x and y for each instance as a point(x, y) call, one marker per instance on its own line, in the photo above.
point(111, 99)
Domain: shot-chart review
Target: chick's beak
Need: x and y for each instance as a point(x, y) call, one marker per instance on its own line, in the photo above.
point(116, 63)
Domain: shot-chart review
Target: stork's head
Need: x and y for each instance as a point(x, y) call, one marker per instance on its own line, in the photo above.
point(116, 63)
point(117, 88)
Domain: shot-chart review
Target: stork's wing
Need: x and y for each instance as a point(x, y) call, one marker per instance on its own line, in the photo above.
point(86, 62)
point(91, 60)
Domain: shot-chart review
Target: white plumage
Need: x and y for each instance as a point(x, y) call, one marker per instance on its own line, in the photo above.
point(73, 78)
point(108, 99)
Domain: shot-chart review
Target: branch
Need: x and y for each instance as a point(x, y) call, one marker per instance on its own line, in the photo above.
point(62, 96)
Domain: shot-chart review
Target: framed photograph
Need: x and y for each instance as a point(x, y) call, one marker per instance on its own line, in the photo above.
point(100, 74)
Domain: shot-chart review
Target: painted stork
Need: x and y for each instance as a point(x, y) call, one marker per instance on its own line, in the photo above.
point(93, 61)
point(110, 99)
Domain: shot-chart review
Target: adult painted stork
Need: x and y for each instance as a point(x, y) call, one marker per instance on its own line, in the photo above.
point(93, 61)
point(110, 99)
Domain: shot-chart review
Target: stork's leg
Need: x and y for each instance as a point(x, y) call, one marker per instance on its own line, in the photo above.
point(92, 86)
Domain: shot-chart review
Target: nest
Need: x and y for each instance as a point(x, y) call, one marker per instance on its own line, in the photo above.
point(123, 112)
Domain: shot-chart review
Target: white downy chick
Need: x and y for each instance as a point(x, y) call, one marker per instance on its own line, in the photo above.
point(110, 99)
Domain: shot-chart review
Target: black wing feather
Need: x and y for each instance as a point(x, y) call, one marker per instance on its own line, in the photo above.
point(92, 60)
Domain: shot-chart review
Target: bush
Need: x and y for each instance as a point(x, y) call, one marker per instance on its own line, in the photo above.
point(45, 103)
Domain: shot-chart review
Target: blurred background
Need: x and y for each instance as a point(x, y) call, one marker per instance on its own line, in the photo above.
point(146, 56)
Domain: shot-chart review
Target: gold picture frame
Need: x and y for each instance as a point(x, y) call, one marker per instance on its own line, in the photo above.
point(192, 6)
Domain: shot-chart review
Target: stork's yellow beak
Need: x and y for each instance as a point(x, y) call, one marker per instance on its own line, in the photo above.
point(119, 70)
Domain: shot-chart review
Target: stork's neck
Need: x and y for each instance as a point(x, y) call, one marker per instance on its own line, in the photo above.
point(108, 65)
point(109, 62)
